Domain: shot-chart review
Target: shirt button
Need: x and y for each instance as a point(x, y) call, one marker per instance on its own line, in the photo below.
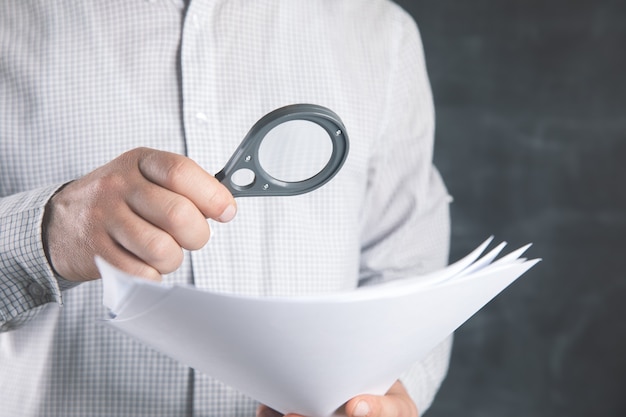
point(202, 116)
point(36, 290)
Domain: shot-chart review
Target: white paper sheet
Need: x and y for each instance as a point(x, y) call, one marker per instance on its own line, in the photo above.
point(309, 355)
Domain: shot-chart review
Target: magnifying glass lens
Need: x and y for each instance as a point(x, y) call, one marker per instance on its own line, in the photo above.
point(295, 150)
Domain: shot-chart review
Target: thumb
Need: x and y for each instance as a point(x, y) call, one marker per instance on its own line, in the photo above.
point(370, 406)
point(396, 403)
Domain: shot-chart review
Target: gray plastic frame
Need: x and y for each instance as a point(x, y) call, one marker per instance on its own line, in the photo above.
point(247, 154)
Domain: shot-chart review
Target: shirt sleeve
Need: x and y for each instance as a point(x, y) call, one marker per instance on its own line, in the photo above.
point(26, 279)
point(406, 229)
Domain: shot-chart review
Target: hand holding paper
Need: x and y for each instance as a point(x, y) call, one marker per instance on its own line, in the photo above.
point(309, 355)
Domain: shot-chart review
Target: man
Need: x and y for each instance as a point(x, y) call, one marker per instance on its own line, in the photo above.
point(112, 116)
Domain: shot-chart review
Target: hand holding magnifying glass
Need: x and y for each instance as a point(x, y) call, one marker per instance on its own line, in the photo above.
point(142, 208)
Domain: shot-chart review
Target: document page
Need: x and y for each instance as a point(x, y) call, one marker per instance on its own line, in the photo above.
point(311, 354)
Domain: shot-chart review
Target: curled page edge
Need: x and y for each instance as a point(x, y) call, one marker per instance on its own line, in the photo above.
point(120, 292)
point(466, 267)
point(115, 286)
point(510, 257)
point(483, 261)
point(434, 277)
point(458, 266)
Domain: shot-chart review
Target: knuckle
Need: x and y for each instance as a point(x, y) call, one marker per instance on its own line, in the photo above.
point(135, 157)
point(144, 271)
point(109, 183)
point(180, 213)
point(199, 238)
point(186, 224)
point(177, 172)
point(161, 249)
point(166, 169)
point(171, 262)
point(107, 193)
point(100, 205)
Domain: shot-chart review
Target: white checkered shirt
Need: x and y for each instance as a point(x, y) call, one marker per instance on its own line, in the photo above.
point(83, 81)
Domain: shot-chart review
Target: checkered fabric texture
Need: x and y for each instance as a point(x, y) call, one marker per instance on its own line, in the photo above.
point(82, 82)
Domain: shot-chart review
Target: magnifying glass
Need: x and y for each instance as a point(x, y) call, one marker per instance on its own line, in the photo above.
point(292, 150)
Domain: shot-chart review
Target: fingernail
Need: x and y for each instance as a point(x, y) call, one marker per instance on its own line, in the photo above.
point(362, 409)
point(228, 214)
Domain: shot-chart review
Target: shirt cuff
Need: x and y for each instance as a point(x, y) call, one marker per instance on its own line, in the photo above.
point(26, 278)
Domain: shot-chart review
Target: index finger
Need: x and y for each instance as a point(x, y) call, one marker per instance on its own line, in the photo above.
point(183, 176)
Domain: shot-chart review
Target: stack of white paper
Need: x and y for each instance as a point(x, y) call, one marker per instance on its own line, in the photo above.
point(309, 354)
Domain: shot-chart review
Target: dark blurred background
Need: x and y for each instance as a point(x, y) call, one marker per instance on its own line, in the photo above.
point(531, 140)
